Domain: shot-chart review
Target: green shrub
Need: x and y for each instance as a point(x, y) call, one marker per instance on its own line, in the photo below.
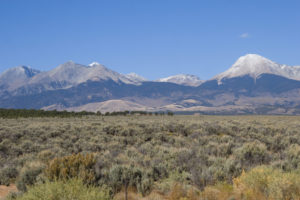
point(8, 175)
point(29, 175)
point(125, 177)
point(252, 154)
point(122, 176)
point(159, 172)
point(292, 155)
point(72, 189)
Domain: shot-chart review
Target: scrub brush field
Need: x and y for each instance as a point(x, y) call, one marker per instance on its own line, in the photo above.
point(151, 157)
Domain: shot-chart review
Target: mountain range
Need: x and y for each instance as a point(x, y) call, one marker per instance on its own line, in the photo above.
point(252, 85)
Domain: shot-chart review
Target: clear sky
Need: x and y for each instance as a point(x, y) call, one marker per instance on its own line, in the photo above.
point(154, 38)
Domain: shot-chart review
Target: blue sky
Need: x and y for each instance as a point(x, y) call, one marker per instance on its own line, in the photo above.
point(154, 38)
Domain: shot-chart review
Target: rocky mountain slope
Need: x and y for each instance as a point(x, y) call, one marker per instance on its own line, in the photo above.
point(16, 77)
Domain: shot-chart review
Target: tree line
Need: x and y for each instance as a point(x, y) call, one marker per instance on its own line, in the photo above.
point(25, 113)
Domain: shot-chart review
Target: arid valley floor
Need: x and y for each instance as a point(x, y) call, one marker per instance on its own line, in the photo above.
point(161, 157)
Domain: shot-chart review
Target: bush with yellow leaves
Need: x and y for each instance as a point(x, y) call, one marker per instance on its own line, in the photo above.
point(180, 192)
point(220, 191)
point(267, 183)
point(73, 166)
point(259, 183)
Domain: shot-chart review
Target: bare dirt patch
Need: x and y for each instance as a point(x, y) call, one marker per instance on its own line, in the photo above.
point(5, 190)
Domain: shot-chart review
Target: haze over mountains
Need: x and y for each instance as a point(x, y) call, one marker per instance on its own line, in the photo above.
point(253, 84)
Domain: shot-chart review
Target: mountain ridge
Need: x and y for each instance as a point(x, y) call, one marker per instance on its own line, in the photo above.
point(253, 84)
point(16, 76)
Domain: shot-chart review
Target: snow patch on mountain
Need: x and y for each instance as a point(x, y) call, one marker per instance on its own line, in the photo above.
point(135, 77)
point(183, 79)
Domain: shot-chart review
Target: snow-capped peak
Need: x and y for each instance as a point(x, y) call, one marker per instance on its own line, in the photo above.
point(183, 79)
point(255, 65)
point(94, 63)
